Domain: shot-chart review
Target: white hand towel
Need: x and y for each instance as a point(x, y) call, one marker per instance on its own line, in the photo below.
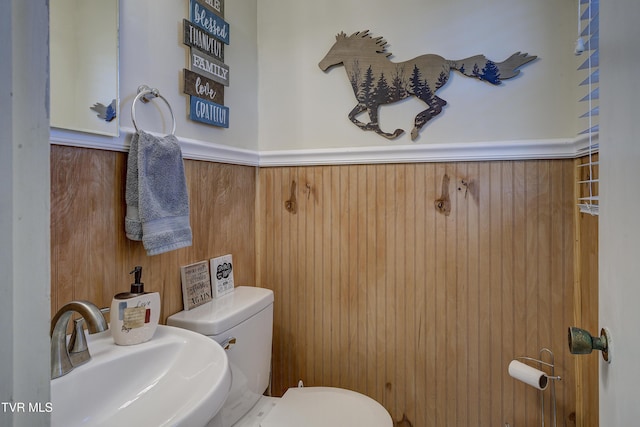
point(159, 216)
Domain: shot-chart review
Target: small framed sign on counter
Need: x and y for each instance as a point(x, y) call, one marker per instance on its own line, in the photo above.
point(222, 270)
point(196, 284)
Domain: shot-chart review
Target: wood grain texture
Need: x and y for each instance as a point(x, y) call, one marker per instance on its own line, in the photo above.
point(92, 258)
point(586, 310)
point(378, 292)
point(375, 290)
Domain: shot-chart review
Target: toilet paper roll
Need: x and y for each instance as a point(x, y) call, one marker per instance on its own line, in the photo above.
point(528, 375)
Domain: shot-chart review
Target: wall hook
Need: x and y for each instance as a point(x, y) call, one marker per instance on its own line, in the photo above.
point(443, 204)
point(464, 185)
point(291, 205)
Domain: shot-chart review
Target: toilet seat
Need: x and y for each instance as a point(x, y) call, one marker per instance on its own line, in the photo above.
point(326, 407)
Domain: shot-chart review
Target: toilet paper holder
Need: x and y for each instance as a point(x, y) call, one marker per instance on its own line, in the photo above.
point(550, 364)
point(551, 376)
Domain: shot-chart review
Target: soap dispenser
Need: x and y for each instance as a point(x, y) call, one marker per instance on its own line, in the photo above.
point(134, 314)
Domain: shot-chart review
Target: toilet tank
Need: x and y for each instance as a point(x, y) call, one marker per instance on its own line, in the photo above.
point(243, 321)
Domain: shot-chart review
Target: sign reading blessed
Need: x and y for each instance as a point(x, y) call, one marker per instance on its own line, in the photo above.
point(208, 20)
point(376, 80)
point(206, 32)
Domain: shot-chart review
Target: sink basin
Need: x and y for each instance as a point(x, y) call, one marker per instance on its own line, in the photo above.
point(178, 378)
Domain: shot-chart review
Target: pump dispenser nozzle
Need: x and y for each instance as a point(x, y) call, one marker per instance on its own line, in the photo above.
point(137, 287)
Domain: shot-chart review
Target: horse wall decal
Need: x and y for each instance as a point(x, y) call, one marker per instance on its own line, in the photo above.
point(376, 80)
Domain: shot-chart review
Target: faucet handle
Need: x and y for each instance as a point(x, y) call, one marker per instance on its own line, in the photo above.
point(78, 349)
point(77, 341)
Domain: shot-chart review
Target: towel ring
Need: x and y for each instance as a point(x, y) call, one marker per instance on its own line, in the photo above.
point(146, 94)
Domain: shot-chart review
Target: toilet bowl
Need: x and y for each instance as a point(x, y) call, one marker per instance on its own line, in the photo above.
point(324, 407)
point(242, 322)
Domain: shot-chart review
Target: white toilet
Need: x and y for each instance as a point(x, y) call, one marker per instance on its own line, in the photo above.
point(242, 322)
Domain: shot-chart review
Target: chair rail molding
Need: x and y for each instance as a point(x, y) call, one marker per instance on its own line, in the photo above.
point(558, 148)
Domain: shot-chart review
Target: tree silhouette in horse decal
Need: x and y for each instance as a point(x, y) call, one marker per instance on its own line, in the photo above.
point(376, 80)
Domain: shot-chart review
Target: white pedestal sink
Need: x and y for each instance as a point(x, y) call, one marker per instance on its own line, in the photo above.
point(178, 378)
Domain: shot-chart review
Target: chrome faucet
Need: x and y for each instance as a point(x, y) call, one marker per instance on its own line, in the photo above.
point(65, 357)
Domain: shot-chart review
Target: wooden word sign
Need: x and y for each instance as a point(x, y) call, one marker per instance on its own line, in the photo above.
point(206, 34)
point(209, 21)
point(209, 112)
point(201, 40)
point(202, 87)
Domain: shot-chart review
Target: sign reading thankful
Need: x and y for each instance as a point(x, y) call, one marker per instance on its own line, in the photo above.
point(201, 40)
point(206, 33)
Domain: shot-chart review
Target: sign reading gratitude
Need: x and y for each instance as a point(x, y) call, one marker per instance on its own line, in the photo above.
point(206, 33)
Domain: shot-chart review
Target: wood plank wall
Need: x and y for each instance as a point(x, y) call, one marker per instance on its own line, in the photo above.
point(378, 292)
point(586, 309)
point(375, 290)
point(90, 256)
point(586, 317)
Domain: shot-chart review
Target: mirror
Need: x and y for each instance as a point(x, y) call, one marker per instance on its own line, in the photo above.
point(83, 43)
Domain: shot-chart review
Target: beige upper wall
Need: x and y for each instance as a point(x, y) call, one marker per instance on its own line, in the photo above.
point(300, 107)
point(280, 100)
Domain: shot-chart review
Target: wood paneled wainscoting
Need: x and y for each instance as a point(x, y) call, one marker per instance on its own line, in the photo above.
point(586, 308)
point(90, 255)
point(378, 291)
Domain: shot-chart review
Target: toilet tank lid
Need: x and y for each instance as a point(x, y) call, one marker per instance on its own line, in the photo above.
point(225, 312)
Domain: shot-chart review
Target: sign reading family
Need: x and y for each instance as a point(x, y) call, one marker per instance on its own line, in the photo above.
point(206, 32)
